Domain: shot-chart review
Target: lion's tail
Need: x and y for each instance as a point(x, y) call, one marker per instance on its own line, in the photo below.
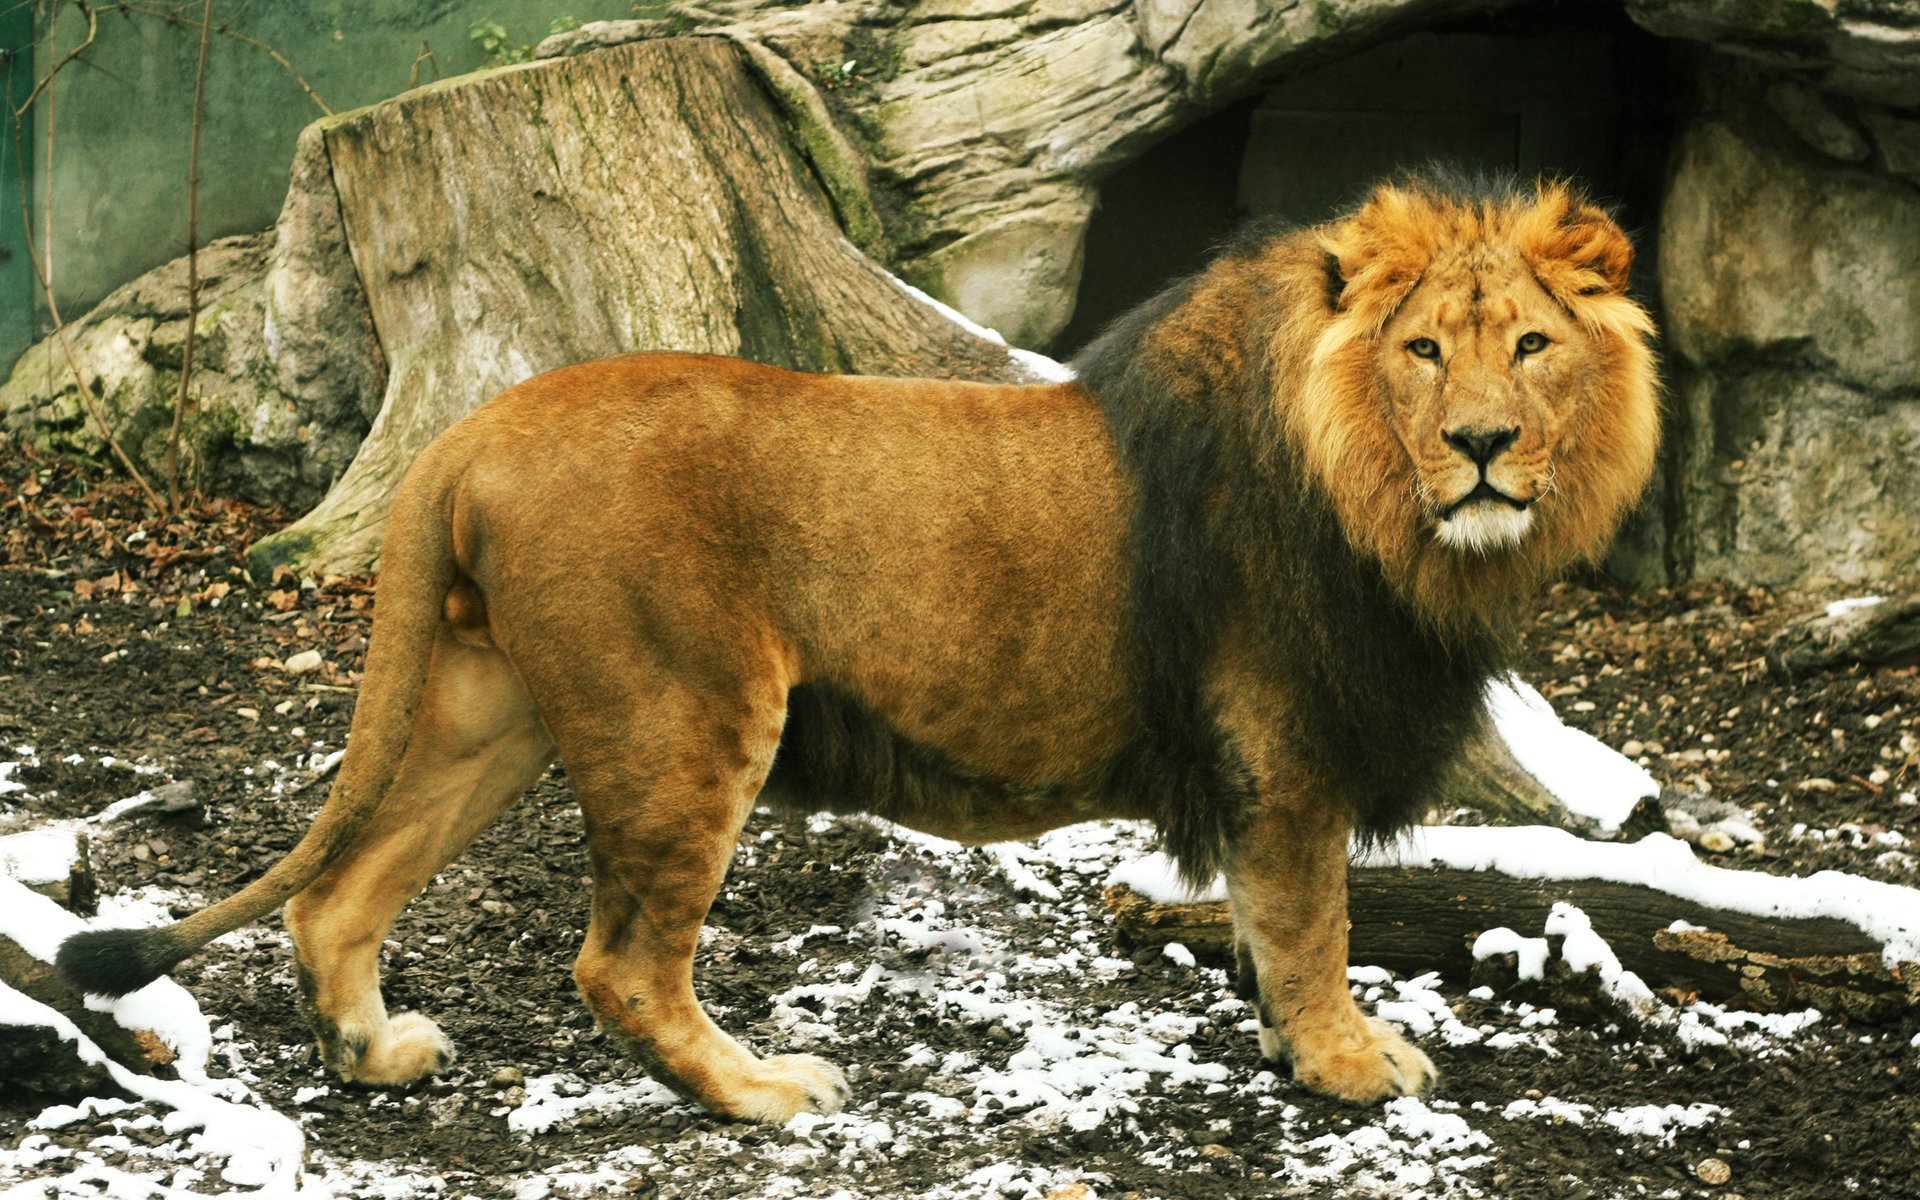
point(417, 570)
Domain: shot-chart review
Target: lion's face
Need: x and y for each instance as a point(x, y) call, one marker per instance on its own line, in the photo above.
point(1479, 402)
point(1478, 368)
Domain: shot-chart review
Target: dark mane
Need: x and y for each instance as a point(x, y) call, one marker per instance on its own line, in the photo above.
point(1227, 524)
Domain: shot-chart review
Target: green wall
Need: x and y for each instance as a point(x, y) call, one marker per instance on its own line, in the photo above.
point(123, 118)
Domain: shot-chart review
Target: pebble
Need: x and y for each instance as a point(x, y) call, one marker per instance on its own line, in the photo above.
point(304, 663)
point(1633, 748)
point(514, 1097)
point(1213, 1135)
point(1713, 1171)
point(507, 1077)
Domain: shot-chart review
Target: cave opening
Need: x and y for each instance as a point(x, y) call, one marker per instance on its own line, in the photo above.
point(1556, 89)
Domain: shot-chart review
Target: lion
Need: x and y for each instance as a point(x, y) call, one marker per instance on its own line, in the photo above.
point(1245, 579)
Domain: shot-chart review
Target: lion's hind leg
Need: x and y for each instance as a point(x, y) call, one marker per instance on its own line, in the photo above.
point(1288, 882)
point(477, 744)
point(664, 795)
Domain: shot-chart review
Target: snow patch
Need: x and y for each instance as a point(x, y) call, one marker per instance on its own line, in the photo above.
point(1591, 778)
point(552, 1099)
point(1840, 608)
point(1660, 1121)
point(1531, 952)
point(1156, 878)
point(1040, 365)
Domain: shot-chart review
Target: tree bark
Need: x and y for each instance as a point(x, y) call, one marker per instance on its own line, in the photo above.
point(645, 197)
point(1882, 634)
point(1413, 920)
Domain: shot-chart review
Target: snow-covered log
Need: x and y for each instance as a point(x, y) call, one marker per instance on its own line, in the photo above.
point(1830, 941)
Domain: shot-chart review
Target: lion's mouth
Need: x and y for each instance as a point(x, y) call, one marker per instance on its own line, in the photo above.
point(1484, 492)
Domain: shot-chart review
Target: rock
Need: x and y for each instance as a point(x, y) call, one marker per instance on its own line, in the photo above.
point(1763, 254)
point(243, 435)
point(1792, 361)
point(326, 357)
point(1898, 139)
point(1869, 49)
point(1713, 1172)
point(306, 662)
point(507, 1077)
point(1809, 113)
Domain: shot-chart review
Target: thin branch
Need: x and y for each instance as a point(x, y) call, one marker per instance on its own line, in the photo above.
point(425, 56)
point(227, 30)
point(193, 263)
point(87, 398)
point(93, 30)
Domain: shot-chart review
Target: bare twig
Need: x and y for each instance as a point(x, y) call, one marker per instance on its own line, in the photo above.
point(227, 30)
point(180, 398)
point(93, 31)
point(425, 56)
point(43, 269)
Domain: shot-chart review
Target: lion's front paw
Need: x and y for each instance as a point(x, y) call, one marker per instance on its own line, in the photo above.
point(1377, 1065)
point(409, 1049)
point(782, 1087)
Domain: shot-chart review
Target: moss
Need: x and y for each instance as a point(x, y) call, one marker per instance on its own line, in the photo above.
point(834, 161)
point(289, 547)
point(1799, 16)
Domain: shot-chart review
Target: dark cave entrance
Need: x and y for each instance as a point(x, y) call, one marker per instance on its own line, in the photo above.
point(1571, 89)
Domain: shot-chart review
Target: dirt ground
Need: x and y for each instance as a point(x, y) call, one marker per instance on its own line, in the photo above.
point(935, 975)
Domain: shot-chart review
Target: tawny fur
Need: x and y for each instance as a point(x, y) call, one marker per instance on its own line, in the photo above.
point(636, 565)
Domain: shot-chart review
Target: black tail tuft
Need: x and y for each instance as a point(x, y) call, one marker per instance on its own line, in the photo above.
point(113, 962)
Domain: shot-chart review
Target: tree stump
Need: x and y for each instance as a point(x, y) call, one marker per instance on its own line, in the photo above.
point(646, 197)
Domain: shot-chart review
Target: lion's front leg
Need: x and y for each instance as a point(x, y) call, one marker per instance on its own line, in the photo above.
point(1288, 883)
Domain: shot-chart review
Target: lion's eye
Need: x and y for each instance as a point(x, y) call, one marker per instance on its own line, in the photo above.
point(1532, 343)
point(1424, 348)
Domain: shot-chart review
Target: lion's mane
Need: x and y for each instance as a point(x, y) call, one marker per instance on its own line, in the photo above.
point(1273, 501)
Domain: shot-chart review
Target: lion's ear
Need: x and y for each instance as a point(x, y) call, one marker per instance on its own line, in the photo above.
point(1575, 248)
point(1376, 256)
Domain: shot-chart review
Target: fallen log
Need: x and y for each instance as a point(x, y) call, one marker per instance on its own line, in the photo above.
point(1884, 632)
point(35, 1058)
point(1417, 919)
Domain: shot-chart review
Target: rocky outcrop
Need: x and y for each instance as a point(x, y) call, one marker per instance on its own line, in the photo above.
point(1865, 49)
point(287, 370)
point(1791, 283)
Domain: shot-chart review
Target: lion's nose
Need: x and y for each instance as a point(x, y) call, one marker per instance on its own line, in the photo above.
point(1481, 445)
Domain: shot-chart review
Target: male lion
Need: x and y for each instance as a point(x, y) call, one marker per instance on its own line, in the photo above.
point(1245, 579)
